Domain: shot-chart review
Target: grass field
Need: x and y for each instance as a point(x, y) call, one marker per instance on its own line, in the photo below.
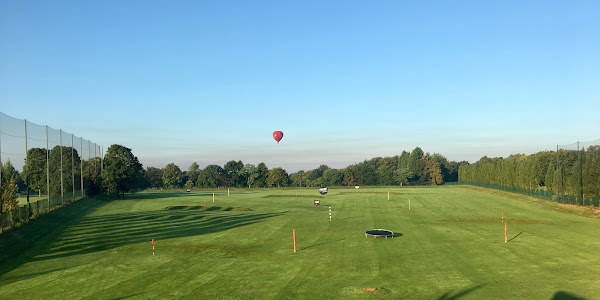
point(450, 245)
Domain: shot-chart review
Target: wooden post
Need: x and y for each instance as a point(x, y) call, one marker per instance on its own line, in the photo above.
point(213, 197)
point(408, 204)
point(388, 196)
point(294, 240)
point(227, 192)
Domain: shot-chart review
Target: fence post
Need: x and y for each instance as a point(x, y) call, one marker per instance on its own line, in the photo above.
point(1, 167)
point(47, 169)
point(81, 163)
point(26, 167)
point(73, 167)
point(62, 192)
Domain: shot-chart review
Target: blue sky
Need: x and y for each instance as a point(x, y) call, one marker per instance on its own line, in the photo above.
point(209, 81)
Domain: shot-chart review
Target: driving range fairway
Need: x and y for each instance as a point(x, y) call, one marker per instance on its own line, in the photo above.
point(449, 245)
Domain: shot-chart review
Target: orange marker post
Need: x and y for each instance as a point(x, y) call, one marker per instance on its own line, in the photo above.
point(294, 240)
point(505, 239)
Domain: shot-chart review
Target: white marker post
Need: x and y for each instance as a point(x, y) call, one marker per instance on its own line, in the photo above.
point(227, 192)
point(408, 204)
point(213, 197)
point(330, 214)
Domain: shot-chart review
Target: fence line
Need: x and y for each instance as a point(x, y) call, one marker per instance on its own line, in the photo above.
point(36, 162)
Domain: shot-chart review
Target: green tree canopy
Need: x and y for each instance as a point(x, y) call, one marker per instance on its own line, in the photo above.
point(333, 177)
point(171, 175)
point(210, 177)
point(277, 176)
point(250, 174)
point(10, 189)
point(122, 170)
point(34, 172)
point(233, 175)
point(154, 177)
point(263, 171)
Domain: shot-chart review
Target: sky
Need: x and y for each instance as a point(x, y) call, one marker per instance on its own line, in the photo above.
point(346, 81)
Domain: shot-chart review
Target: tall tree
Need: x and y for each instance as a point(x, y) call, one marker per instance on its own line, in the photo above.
point(277, 176)
point(318, 172)
point(122, 170)
point(263, 172)
point(232, 174)
point(193, 172)
point(350, 175)
point(385, 175)
point(210, 177)
point(250, 174)
point(10, 190)
point(172, 176)
point(154, 177)
point(435, 171)
point(299, 178)
point(333, 177)
point(35, 171)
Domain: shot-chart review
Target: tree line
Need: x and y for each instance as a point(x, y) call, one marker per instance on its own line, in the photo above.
point(564, 172)
point(62, 170)
point(408, 168)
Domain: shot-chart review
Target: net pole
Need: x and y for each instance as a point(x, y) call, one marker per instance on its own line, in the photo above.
point(26, 167)
point(73, 166)
point(81, 164)
point(102, 161)
point(89, 161)
point(1, 167)
point(47, 168)
point(580, 173)
point(556, 175)
point(62, 192)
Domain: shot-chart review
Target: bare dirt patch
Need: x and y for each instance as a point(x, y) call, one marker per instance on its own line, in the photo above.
point(293, 196)
point(497, 220)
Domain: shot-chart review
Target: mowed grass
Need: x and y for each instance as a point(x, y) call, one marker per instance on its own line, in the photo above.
point(450, 245)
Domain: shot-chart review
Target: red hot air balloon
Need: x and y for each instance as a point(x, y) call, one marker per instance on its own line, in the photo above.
point(277, 135)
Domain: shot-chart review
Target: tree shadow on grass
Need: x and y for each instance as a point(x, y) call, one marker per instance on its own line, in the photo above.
point(15, 278)
point(111, 231)
point(71, 231)
point(319, 244)
point(449, 296)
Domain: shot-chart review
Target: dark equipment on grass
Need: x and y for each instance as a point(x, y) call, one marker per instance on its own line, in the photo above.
point(317, 202)
point(379, 233)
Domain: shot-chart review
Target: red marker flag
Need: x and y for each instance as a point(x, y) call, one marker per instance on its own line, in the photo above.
point(152, 241)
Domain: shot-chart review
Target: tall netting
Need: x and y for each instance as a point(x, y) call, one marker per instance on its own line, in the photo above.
point(578, 173)
point(43, 168)
point(571, 174)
